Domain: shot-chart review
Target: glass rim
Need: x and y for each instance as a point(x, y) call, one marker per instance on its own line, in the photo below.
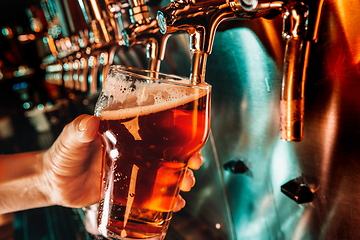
point(125, 69)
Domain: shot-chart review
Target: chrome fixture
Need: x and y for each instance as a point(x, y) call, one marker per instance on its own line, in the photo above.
point(145, 31)
point(300, 26)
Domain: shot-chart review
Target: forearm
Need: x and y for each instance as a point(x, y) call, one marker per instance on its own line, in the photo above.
point(22, 184)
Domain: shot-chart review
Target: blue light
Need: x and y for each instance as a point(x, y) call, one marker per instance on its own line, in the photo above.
point(81, 43)
point(5, 31)
point(23, 85)
point(82, 6)
point(19, 86)
point(26, 105)
point(40, 107)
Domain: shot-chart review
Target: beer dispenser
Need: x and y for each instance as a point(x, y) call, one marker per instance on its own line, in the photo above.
point(263, 53)
point(145, 31)
point(300, 26)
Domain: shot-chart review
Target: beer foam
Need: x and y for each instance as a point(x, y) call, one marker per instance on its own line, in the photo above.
point(153, 98)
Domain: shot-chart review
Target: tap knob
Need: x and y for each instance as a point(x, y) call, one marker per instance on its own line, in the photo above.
point(298, 191)
point(236, 166)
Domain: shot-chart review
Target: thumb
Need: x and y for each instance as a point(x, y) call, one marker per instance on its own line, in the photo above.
point(76, 136)
point(84, 128)
point(74, 145)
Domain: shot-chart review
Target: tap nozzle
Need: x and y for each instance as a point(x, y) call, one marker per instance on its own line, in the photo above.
point(145, 31)
point(200, 19)
point(301, 19)
point(104, 19)
point(300, 28)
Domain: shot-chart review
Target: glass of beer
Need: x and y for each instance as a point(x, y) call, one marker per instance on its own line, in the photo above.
point(151, 124)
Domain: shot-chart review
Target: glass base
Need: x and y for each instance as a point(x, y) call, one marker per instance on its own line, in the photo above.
point(113, 236)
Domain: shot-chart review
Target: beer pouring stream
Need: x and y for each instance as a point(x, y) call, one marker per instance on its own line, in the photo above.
point(301, 19)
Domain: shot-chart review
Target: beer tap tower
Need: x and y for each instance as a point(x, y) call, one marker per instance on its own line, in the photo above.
point(112, 31)
point(145, 31)
point(105, 22)
point(300, 27)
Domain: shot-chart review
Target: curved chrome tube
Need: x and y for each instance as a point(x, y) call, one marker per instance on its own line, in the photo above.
point(146, 32)
point(301, 20)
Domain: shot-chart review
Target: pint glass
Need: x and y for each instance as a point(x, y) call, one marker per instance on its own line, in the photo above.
point(151, 124)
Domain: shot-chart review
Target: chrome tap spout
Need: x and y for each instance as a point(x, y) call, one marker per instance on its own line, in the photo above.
point(300, 28)
point(104, 18)
point(184, 16)
point(301, 19)
point(200, 19)
point(145, 31)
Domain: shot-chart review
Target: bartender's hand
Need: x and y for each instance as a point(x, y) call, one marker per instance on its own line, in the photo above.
point(66, 174)
point(73, 165)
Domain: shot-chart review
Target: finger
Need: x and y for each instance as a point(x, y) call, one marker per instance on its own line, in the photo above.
point(179, 204)
point(196, 161)
point(75, 142)
point(82, 130)
point(188, 182)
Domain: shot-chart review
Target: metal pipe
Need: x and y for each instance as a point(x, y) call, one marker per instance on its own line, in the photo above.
point(146, 32)
point(200, 19)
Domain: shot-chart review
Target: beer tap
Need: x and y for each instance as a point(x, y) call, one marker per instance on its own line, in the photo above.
point(145, 31)
point(105, 21)
point(301, 21)
point(301, 18)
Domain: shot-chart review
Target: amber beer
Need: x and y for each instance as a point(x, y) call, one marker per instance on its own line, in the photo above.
point(145, 154)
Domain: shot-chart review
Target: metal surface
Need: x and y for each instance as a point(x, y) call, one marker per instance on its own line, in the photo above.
point(245, 71)
point(301, 20)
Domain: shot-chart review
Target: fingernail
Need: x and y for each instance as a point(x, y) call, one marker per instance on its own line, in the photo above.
point(83, 123)
point(200, 155)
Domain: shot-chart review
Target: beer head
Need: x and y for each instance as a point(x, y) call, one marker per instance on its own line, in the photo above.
point(129, 94)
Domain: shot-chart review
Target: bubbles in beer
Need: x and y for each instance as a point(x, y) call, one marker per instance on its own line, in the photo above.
point(122, 99)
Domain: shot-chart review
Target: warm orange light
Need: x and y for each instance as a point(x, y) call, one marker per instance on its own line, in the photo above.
point(318, 18)
point(68, 42)
point(96, 9)
point(52, 46)
point(296, 27)
point(26, 37)
point(348, 17)
point(36, 28)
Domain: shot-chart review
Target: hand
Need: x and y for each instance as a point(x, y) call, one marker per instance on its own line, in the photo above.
point(73, 164)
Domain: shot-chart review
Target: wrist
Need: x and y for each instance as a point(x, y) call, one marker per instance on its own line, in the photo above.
point(45, 178)
point(23, 185)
